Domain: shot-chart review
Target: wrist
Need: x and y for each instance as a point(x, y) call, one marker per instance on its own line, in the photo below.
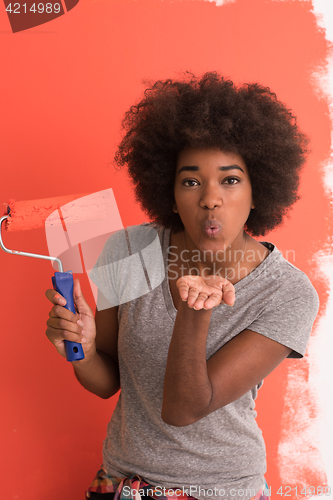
point(89, 355)
point(184, 309)
point(191, 323)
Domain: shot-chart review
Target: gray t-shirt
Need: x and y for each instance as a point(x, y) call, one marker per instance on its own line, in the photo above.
point(223, 452)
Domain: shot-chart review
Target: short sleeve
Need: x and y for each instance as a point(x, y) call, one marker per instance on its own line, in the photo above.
point(129, 266)
point(289, 316)
point(104, 272)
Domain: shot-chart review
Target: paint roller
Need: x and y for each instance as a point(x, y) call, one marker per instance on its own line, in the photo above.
point(27, 215)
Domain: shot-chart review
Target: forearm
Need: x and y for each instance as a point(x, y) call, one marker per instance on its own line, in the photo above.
point(187, 388)
point(98, 374)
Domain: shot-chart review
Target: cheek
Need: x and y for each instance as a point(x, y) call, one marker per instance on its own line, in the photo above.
point(184, 210)
point(181, 201)
point(242, 198)
point(242, 204)
point(246, 197)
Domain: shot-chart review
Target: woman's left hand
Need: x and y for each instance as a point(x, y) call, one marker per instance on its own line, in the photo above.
point(205, 292)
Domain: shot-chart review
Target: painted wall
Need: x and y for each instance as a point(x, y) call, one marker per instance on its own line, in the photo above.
point(65, 86)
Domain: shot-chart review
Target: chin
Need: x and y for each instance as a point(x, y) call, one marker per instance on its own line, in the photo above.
point(213, 244)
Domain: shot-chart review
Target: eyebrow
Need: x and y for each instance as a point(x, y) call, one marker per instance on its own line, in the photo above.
point(189, 168)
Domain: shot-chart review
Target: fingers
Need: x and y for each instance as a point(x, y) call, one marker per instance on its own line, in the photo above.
point(185, 283)
point(65, 325)
point(183, 289)
point(61, 320)
point(206, 292)
point(60, 328)
point(79, 300)
point(55, 297)
point(62, 323)
point(191, 294)
point(196, 299)
point(58, 311)
point(213, 300)
point(198, 294)
point(228, 291)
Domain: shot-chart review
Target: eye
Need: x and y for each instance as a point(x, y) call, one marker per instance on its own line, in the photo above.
point(231, 181)
point(189, 183)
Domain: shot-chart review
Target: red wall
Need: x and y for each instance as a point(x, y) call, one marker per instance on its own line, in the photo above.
point(64, 89)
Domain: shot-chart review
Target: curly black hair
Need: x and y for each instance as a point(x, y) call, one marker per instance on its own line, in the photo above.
point(211, 112)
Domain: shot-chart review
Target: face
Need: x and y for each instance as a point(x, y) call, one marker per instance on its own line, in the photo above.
point(213, 198)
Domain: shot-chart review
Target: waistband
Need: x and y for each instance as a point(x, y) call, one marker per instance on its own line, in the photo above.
point(132, 487)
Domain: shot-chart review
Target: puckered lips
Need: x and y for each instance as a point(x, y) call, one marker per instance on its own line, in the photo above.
point(212, 227)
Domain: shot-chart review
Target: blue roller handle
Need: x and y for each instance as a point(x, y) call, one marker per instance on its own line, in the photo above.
point(63, 283)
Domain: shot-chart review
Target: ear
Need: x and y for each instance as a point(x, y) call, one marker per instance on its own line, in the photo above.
point(174, 208)
point(253, 206)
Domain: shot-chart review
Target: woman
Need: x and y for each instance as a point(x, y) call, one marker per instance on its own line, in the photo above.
point(212, 164)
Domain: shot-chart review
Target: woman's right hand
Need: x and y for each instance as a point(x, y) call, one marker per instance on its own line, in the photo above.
point(65, 325)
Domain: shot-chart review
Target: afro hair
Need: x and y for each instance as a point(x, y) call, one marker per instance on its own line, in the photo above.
point(211, 112)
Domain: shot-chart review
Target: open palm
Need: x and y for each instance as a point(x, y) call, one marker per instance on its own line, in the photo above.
point(205, 292)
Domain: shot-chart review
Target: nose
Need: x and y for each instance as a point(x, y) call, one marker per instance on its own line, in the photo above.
point(211, 198)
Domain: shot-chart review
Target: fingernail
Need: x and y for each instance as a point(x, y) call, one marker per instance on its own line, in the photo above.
point(83, 340)
point(79, 322)
point(62, 302)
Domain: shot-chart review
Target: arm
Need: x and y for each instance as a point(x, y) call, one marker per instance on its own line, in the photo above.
point(194, 387)
point(98, 372)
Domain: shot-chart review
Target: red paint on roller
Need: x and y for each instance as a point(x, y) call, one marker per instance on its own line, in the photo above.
point(32, 214)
